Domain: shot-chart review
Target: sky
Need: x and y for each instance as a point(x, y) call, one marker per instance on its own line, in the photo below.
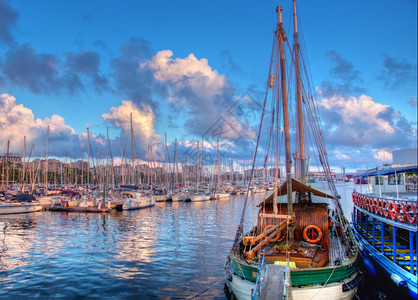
point(187, 69)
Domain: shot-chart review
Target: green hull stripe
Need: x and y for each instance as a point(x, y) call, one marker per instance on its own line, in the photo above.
point(301, 278)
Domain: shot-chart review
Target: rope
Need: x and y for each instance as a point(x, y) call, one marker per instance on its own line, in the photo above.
point(207, 289)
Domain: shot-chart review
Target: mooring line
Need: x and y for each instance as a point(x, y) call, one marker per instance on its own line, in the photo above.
point(207, 289)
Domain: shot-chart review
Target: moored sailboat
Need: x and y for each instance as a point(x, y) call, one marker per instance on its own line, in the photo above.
point(300, 233)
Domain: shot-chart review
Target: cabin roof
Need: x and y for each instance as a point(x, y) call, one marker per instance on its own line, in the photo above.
point(391, 171)
point(297, 186)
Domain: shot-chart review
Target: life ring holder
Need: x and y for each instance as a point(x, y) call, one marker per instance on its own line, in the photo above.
point(317, 229)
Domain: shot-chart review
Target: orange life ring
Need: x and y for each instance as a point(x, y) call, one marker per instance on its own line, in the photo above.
point(411, 219)
point(402, 216)
point(393, 210)
point(376, 206)
point(275, 239)
point(380, 207)
point(385, 211)
point(367, 204)
point(317, 229)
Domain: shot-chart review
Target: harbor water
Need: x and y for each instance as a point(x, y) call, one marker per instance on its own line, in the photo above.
point(170, 251)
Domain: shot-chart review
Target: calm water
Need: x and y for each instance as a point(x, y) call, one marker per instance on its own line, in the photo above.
point(172, 250)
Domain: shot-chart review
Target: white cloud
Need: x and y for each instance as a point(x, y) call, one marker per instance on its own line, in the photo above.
point(383, 155)
point(358, 122)
point(188, 72)
point(143, 120)
point(363, 109)
point(17, 121)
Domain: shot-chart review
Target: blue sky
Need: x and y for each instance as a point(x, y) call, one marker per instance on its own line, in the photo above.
point(178, 66)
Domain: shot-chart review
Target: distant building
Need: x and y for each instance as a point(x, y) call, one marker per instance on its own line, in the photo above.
point(405, 156)
point(11, 158)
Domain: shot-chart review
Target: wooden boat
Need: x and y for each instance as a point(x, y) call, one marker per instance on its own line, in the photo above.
point(385, 224)
point(300, 246)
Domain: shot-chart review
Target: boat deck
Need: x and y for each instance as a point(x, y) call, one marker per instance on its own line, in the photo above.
point(337, 251)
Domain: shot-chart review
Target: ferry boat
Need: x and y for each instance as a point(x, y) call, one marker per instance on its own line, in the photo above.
point(384, 219)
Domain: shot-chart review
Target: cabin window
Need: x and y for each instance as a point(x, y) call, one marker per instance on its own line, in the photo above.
point(392, 178)
point(379, 180)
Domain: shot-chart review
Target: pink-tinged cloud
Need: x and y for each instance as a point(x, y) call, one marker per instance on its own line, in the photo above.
point(18, 121)
point(143, 120)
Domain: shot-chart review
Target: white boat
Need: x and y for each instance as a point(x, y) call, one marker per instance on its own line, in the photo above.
point(136, 200)
point(223, 195)
point(22, 204)
point(199, 197)
point(160, 196)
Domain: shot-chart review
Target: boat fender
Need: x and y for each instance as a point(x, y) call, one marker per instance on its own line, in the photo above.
point(393, 210)
point(398, 280)
point(411, 219)
point(401, 216)
point(369, 266)
point(317, 229)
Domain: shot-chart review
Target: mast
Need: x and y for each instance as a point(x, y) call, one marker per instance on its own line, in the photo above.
point(121, 155)
point(7, 164)
point(24, 164)
point(88, 159)
point(132, 151)
point(281, 36)
point(47, 140)
point(300, 156)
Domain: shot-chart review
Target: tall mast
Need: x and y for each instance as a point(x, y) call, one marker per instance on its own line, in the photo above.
point(7, 164)
point(121, 155)
point(24, 164)
point(281, 36)
point(132, 151)
point(88, 158)
point(47, 166)
point(300, 157)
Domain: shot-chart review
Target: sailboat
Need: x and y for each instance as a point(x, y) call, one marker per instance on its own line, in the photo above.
point(300, 245)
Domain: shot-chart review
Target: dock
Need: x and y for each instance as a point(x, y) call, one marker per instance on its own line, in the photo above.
point(272, 284)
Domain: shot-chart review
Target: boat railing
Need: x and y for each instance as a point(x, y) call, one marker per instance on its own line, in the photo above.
point(383, 238)
point(402, 210)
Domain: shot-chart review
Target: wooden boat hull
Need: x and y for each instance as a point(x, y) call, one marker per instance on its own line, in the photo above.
point(339, 282)
point(91, 209)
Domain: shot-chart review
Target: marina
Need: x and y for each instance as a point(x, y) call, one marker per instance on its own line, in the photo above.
point(148, 156)
point(171, 250)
